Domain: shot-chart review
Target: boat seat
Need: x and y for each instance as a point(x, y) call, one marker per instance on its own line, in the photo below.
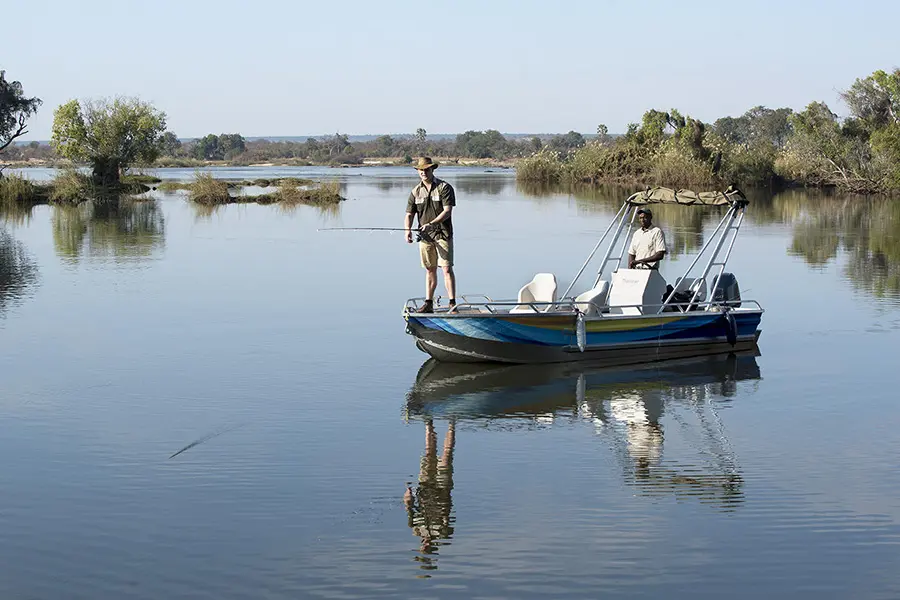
point(542, 288)
point(589, 301)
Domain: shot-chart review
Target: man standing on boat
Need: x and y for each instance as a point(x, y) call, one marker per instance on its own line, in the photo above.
point(433, 200)
point(648, 244)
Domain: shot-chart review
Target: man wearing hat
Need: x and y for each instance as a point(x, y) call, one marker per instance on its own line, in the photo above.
point(433, 200)
point(648, 244)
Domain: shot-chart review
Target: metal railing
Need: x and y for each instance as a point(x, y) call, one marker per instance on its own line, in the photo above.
point(570, 306)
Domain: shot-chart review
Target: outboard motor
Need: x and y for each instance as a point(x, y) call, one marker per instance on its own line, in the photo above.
point(728, 290)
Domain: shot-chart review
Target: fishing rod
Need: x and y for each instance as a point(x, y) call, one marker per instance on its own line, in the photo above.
point(422, 235)
point(367, 229)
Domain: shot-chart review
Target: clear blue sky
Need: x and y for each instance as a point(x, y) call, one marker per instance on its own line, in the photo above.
point(279, 67)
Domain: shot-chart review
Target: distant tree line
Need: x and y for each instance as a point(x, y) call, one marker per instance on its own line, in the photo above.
point(814, 147)
point(337, 148)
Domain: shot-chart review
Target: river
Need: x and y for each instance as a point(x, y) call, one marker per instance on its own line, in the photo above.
point(224, 404)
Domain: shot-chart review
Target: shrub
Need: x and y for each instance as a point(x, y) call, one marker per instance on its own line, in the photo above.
point(16, 189)
point(71, 187)
point(541, 167)
point(206, 189)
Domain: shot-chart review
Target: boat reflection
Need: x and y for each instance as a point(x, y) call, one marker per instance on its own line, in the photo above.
point(632, 409)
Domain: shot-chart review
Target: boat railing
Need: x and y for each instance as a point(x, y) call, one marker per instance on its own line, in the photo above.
point(569, 305)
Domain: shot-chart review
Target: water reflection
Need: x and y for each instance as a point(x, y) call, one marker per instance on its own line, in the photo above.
point(121, 229)
point(16, 213)
point(487, 183)
point(429, 507)
point(867, 230)
point(628, 408)
point(18, 272)
point(683, 226)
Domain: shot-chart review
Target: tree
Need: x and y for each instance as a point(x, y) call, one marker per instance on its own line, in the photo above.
point(15, 110)
point(207, 148)
point(603, 134)
point(566, 142)
point(482, 144)
point(169, 144)
point(231, 144)
point(384, 145)
point(875, 100)
point(110, 135)
point(759, 125)
point(421, 135)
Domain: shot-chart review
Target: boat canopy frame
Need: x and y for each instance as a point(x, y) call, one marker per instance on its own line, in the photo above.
point(618, 245)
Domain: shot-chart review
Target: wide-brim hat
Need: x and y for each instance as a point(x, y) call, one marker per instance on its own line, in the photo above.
point(425, 162)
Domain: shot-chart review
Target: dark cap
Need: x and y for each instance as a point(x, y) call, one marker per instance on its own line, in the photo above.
point(645, 211)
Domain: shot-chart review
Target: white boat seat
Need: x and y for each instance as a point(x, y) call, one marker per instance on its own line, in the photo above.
point(589, 301)
point(542, 288)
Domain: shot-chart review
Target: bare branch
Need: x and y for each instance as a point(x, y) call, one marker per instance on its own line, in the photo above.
point(18, 133)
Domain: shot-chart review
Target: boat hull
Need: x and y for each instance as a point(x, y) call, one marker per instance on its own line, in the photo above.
point(552, 338)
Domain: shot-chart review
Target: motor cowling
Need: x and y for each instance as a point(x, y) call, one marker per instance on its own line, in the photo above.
point(728, 290)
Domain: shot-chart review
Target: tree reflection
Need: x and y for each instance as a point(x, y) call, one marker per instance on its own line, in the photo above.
point(867, 230)
point(120, 229)
point(683, 225)
point(18, 272)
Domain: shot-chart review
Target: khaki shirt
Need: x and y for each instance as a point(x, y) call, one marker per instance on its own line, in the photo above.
point(428, 205)
point(646, 243)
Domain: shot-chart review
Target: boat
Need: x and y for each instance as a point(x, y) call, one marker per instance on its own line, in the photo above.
point(627, 316)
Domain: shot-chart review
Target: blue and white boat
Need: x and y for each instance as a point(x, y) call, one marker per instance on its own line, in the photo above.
point(629, 316)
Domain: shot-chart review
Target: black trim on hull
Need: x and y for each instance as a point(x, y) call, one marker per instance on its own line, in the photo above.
point(449, 347)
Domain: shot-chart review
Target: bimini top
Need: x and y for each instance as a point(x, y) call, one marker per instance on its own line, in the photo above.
point(661, 195)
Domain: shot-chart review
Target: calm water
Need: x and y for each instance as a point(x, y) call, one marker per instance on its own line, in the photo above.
point(225, 405)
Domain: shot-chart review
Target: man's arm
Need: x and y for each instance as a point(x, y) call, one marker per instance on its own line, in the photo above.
point(650, 259)
point(407, 225)
point(445, 214)
point(408, 219)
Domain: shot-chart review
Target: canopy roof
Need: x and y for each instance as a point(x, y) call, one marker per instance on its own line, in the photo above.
point(661, 195)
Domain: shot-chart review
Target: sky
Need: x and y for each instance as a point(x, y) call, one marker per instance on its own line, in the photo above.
point(282, 68)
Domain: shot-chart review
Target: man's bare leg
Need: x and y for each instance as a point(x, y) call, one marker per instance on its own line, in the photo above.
point(430, 282)
point(450, 282)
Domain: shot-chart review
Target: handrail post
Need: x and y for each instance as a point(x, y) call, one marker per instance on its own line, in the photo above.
point(594, 251)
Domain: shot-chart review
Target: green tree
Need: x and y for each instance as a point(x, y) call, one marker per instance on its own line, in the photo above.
point(384, 145)
point(231, 144)
point(875, 100)
point(207, 148)
point(482, 144)
point(169, 144)
point(603, 134)
point(15, 110)
point(110, 135)
point(421, 135)
point(566, 142)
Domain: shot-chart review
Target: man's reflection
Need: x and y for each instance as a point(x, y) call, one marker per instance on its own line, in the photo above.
point(429, 507)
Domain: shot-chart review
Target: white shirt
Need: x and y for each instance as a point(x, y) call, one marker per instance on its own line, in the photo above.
point(646, 243)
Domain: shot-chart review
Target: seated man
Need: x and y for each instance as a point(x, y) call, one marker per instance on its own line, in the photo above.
point(648, 245)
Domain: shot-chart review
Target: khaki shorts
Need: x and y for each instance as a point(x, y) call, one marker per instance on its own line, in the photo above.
point(436, 254)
